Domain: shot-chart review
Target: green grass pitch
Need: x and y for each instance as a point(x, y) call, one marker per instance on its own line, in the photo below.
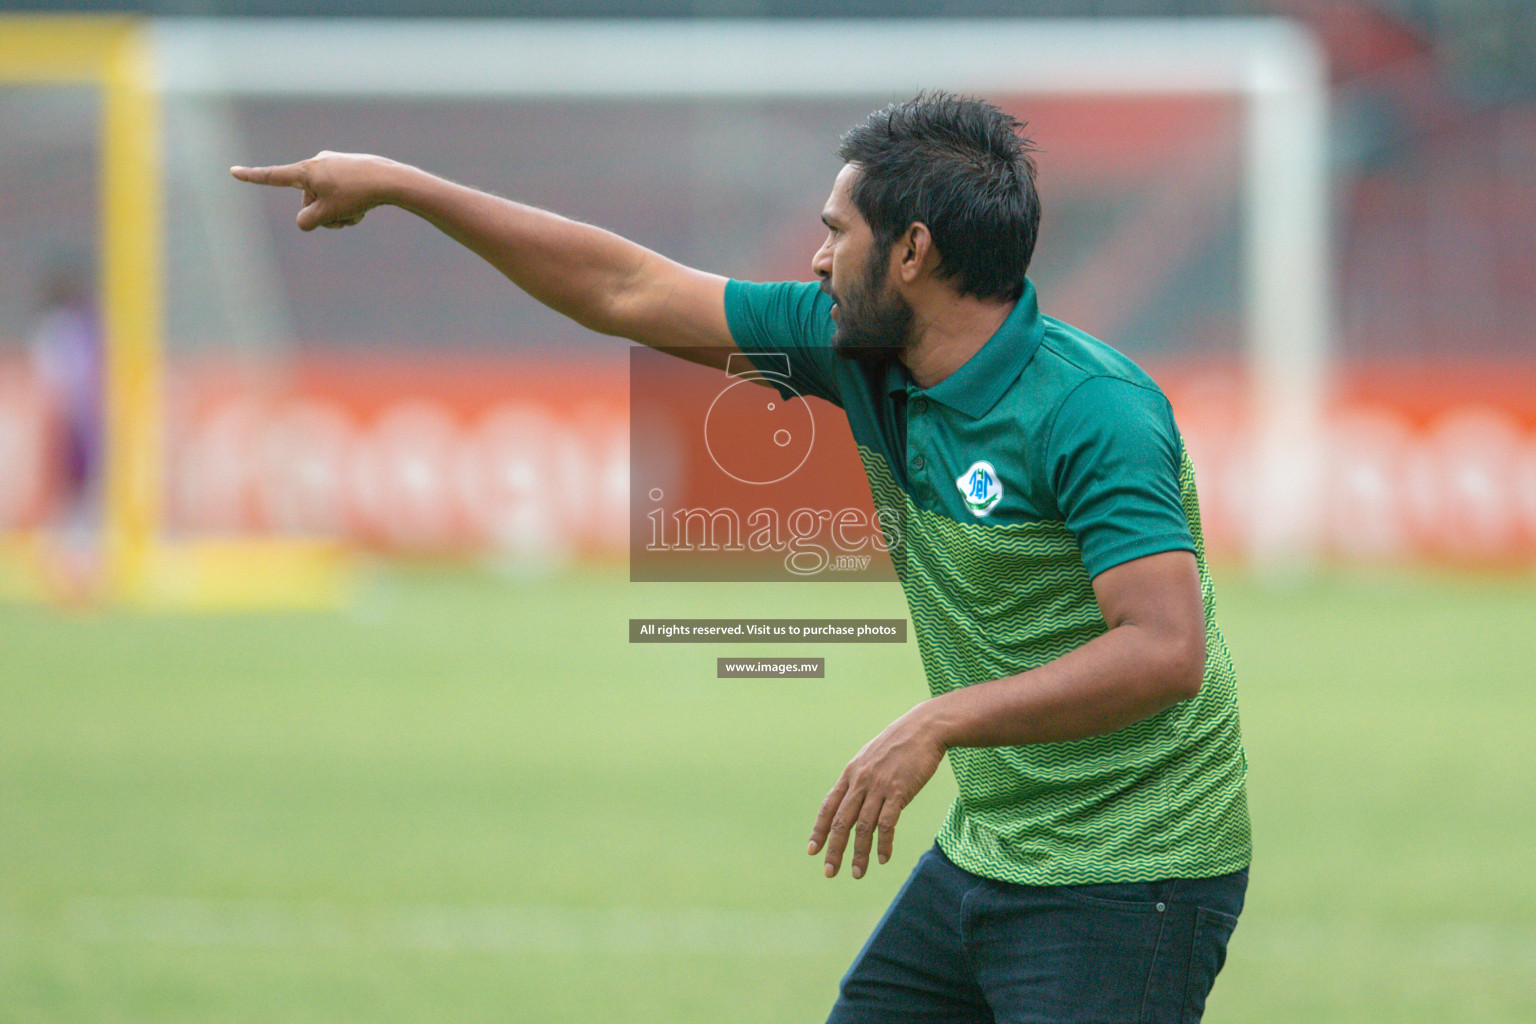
point(469, 799)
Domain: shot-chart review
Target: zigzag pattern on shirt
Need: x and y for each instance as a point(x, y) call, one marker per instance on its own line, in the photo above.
point(1162, 798)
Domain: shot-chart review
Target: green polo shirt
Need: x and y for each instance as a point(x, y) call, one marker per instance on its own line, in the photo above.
point(1045, 459)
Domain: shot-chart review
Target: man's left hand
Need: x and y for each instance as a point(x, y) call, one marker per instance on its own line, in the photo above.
point(874, 789)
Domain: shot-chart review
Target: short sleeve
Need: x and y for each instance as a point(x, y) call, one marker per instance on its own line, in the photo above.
point(1114, 456)
point(785, 329)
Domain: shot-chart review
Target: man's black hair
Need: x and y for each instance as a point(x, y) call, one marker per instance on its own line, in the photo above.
point(962, 167)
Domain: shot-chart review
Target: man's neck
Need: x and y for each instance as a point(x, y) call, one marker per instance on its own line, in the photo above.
point(950, 333)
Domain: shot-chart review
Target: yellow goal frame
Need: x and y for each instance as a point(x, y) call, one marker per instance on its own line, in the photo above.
point(114, 55)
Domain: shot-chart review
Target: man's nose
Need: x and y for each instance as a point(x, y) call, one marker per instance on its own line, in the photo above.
point(821, 263)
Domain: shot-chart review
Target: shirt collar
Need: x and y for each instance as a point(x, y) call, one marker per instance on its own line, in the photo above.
point(980, 381)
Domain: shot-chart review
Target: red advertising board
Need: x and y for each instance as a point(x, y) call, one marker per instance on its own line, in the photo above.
point(530, 459)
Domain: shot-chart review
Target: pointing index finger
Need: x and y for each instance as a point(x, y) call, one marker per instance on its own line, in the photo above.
point(291, 175)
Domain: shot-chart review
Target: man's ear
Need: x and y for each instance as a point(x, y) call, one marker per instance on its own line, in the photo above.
point(915, 254)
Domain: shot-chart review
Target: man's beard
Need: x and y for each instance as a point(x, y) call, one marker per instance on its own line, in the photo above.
point(874, 322)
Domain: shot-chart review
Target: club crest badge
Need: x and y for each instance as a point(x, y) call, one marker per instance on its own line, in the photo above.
point(981, 488)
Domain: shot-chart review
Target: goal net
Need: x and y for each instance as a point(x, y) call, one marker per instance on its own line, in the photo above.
point(380, 387)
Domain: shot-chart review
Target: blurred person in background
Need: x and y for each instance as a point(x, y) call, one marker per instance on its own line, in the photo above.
point(1095, 862)
point(67, 360)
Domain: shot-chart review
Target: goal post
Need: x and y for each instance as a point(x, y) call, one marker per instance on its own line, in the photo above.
point(113, 55)
point(140, 566)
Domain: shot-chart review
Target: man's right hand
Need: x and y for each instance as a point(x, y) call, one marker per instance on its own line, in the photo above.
point(339, 188)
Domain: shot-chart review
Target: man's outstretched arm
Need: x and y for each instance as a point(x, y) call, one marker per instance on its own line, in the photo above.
point(605, 283)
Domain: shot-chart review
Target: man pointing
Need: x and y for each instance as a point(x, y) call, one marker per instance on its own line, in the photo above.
point(1094, 863)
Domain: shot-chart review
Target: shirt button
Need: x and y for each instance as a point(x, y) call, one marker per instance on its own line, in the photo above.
point(917, 462)
point(920, 406)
